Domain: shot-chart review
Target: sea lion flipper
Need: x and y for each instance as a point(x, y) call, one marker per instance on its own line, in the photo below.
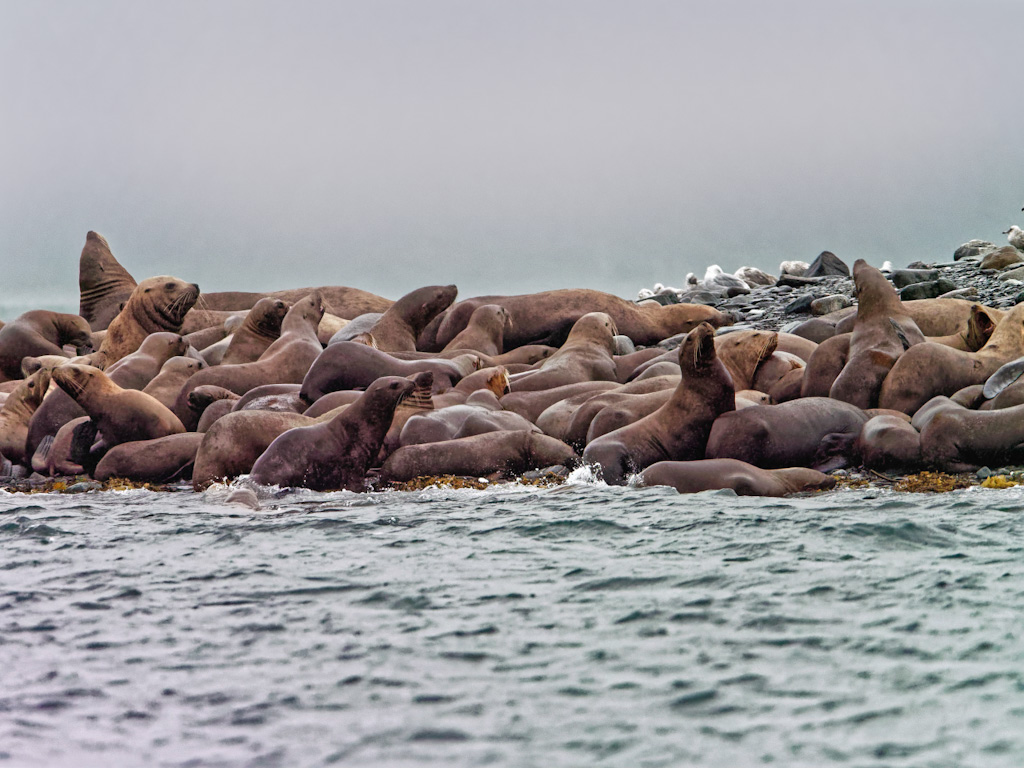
point(900, 334)
point(1002, 378)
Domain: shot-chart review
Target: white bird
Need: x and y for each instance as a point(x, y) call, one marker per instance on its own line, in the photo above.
point(1016, 236)
point(717, 280)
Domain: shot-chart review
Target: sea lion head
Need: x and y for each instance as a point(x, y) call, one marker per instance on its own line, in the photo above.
point(869, 284)
point(697, 352)
point(164, 300)
point(594, 327)
point(306, 312)
point(266, 315)
point(389, 391)
point(75, 379)
point(31, 391)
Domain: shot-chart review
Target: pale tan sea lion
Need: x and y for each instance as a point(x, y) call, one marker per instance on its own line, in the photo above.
point(744, 478)
point(16, 414)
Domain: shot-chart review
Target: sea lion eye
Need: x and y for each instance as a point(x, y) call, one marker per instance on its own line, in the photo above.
point(169, 286)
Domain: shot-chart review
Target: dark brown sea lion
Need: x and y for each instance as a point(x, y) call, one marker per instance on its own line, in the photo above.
point(957, 439)
point(120, 415)
point(507, 453)
point(889, 442)
point(678, 430)
point(40, 332)
point(575, 432)
point(160, 460)
point(286, 361)
point(882, 331)
point(548, 316)
point(403, 321)
point(587, 355)
point(790, 434)
point(16, 414)
point(103, 284)
point(156, 304)
point(931, 369)
point(208, 403)
point(334, 454)
point(350, 365)
point(745, 479)
point(442, 424)
point(485, 331)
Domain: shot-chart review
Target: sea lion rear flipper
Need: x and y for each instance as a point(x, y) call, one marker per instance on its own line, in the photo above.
point(41, 458)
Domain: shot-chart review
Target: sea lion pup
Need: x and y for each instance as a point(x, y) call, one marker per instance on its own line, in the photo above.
point(811, 432)
point(16, 413)
point(173, 374)
point(679, 429)
point(545, 318)
point(403, 321)
point(889, 442)
point(933, 369)
point(351, 365)
point(120, 415)
point(485, 331)
point(103, 284)
point(881, 333)
point(507, 453)
point(40, 332)
point(745, 479)
point(587, 355)
point(335, 454)
point(957, 439)
point(156, 304)
point(286, 361)
point(160, 460)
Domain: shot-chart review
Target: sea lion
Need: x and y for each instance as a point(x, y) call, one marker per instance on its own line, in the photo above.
point(16, 414)
point(286, 361)
point(931, 369)
point(792, 434)
point(260, 329)
point(744, 478)
point(531, 405)
point(173, 374)
point(156, 304)
point(104, 285)
point(773, 369)
point(507, 453)
point(160, 460)
point(679, 429)
point(442, 424)
point(934, 317)
point(485, 331)
point(334, 454)
point(576, 430)
point(404, 320)
point(120, 415)
point(585, 356)
point(40, 332)
point(546, 317)
point(272, 397)
point(889, 442)
point(957, 439)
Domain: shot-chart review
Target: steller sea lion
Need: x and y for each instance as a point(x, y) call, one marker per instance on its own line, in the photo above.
point(403, 321)
point(745, 479)
point(103, 284)
point(160, 460)
point(40, 332)
point(16, 414)
point(485, 331)
point(585, 356)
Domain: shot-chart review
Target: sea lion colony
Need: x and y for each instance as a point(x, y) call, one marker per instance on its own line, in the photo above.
point(336, 388)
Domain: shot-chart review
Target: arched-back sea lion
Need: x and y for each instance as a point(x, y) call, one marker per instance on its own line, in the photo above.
point(679, 429)
point(40, 332)
point(156, 304)
point(16, 414)
point(403, 321)
point(889, 442)
point(585, 356)
point(335, 454)
point(744, 478)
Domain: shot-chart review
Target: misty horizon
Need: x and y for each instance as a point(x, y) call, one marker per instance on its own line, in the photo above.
point(502, 148)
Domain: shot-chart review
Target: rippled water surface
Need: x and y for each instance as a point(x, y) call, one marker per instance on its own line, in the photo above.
point(579, 625)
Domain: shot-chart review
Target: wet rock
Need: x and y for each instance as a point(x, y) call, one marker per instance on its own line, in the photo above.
point(801, 303)
point(699, 297)
point(827, 304)
point(735, 290)
point(664, 298)
point(84, 487)
point(827, 264)
point(901, 278)
point(983, 473)
point(753, 276)
point(796, 281)
point(1002, 258)
point(973, 249)
point(930, 290)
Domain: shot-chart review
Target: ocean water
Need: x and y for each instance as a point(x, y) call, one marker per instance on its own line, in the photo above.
point(572, 626)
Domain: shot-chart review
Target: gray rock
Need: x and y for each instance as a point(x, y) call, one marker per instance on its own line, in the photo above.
point(1001, 258)
point(984, 473)
point(624, 345)
point(84, 487)
point(827, 264)
point(901, 278)
point(797, 281)
point(972, 249)
point(1015, 273)
point(801, 303)
point(930, 290)
point(827, 304)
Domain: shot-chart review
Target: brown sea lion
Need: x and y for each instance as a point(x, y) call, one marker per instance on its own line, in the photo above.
point(507, 453)
point(120, 415)
point(772, 370)
point(403, 321)
point(882, 331)
point(461, 421)
point(531, 405)
point(546, 317)
point(339, 300)
point(792, 434)
point(934, 369)
point(678, 430)
point(272, 397)
point(334, 454)
point(16, 414)
point(744, 478)
point(957, 439)
point(889, 442)
point(173, 374)
point(485, 331)
point(160, 460)
point(575, 432)
point(103, 284)
point(157, 304)
point(40, 332)
point(587, 355)
point(53, 456)
point(286, 361)
point(233, 442)
point(934, 317)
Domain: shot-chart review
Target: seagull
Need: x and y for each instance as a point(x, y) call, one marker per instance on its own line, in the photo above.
point(1016, 236)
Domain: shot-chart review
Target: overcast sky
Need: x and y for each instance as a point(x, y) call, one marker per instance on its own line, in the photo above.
point(503, 146)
